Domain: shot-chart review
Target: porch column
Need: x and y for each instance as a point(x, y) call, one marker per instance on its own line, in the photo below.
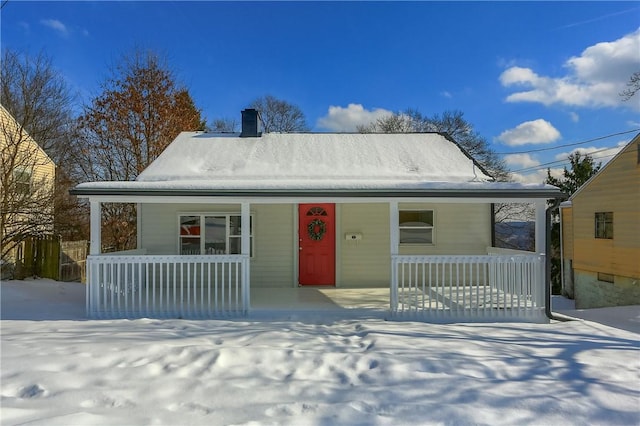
point(394, 241)
point(245, 226)
point(96, 229)
point(540, 238)
point(95, 247)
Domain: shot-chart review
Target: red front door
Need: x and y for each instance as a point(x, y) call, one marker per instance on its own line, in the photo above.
point(317, 239)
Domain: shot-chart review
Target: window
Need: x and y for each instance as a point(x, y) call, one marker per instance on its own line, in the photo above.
point(212, 234)
point(416, 226)
point(22, 179)
point(608, 278)
point(604, 225)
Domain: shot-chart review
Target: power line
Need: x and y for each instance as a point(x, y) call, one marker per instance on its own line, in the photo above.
point(570, 144)
point(565, 161)
point(544, 165)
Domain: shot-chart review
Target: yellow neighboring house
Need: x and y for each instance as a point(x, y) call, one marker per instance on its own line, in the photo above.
point(601, 235)
point(26, 190)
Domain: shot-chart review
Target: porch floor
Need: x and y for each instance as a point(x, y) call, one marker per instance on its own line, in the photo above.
point(347, 301)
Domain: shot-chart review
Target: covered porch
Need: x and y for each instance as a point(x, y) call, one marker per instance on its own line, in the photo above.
point(495, 285)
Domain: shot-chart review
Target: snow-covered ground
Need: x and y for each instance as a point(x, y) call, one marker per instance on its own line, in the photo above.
point(60, 369)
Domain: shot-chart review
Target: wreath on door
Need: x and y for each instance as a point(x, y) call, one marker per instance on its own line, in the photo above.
point(316, 229)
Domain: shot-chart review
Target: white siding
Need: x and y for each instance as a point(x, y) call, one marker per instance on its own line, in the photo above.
point(272, 264)
point(458, 229)
point(365, 262)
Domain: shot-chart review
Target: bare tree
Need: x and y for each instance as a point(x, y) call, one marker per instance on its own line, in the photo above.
point(27, 188)
point(279, 116)
point(223, 125)
point(514, 226)
point(142, 108)
point(452, 123)
point(36, 95)
point(633, 85)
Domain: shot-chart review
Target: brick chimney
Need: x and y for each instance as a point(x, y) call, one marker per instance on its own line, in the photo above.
point(250, 123)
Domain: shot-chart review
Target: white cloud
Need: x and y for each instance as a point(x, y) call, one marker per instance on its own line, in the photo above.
point(537, 176)
point(446, 94)
point(56, 25)
point(574, 117)
point(530, 132)
point(593, 79)
point(599, 154)
point(339, 119)
point(521, 160)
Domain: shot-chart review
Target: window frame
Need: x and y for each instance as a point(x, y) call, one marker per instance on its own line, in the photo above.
point(606, 278)
point(228, 236)
point(431, 227)
point(603, 227)
point(22, 179)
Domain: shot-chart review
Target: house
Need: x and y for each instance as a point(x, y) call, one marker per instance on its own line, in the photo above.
point(225, 217)
point(601, 235)
point(28, 176)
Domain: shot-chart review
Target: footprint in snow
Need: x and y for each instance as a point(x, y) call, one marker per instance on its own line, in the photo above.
point(33, 391)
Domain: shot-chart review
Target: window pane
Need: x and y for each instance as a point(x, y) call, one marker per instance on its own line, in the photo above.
point(604, 225)
point(416, 218)
point(190, 245)
point(235, 225)
point(189, 225)
point(22, 179)
point(215, 235)
point(608, 230)
point(605, 277)
point(235, 245)
point(416, 236)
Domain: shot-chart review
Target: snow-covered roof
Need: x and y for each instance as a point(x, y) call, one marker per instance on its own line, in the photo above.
point(200, 162)
point(315, 158)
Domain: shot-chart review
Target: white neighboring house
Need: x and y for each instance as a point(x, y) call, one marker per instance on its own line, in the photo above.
point(223, 215)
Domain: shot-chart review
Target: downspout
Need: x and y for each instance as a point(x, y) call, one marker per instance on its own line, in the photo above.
point(547, 278)
point(561, 251)
point(493, 225)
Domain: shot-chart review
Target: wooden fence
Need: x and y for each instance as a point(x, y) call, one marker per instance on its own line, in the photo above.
point(49, 257)
point(73, 260)
point(38, 256)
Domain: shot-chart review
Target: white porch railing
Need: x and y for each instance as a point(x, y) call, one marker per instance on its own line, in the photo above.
point(468, 288)
point(198, 286)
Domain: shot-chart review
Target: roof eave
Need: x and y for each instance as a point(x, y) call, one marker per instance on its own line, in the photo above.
point(545, 193)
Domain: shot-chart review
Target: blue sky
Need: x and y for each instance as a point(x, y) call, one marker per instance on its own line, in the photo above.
point(527, 75)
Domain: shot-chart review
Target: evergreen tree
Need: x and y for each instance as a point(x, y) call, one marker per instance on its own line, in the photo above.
point(581, 170)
